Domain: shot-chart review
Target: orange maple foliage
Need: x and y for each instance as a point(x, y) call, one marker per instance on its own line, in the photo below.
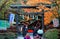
point(34, 2)
point(48, 16)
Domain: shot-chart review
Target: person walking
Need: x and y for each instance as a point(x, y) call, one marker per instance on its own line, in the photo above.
point(25, 29)
point(40, 32)
point(27, 36)
point(35, 31)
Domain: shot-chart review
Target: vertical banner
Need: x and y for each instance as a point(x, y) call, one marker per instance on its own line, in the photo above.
point(55, 22)
point(36, 17)
point(33, 16)
point(11, 20)
point(23, 16)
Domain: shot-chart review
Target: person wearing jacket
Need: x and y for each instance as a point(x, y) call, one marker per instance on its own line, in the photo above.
point(27, 36)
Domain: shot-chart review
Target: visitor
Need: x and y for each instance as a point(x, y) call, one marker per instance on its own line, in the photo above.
point(35, 31)
point(37, 26)
point(27, 36)
point(37, 37)
point(40, 32)
point(25, 29)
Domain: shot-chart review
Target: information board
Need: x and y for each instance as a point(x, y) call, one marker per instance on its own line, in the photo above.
point(4, 24)
point(55, 22)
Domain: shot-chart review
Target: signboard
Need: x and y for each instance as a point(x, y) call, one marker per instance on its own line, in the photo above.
point(11, 20)
point(4, 25)
point(55, 22)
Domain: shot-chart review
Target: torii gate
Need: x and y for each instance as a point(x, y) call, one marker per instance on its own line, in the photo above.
point(22, 6)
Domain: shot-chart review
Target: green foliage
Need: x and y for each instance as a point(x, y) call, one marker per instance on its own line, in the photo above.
point(58, 4)
point(20, 18)
point(59, 11)
point(9, 35)
point(51, 34)
point(54, 4)
point(4, 5)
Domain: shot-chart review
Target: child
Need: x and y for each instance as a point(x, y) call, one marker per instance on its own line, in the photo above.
point(27, 36)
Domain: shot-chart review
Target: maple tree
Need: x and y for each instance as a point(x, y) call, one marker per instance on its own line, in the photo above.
point(49, 15)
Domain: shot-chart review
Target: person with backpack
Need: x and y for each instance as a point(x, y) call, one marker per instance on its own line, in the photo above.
point(40, 32)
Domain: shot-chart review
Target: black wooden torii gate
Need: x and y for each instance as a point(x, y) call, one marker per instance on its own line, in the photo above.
point(22, 6)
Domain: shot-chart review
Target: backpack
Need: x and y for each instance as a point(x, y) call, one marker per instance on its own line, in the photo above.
point(40, 31)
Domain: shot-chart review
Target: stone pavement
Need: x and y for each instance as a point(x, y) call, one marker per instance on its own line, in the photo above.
point(21, 37)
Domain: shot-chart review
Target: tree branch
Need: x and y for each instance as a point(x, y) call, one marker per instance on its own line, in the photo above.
point(3, 5)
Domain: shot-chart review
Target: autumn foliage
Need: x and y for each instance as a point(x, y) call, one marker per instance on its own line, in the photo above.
point(35, 2)
point(49, 15)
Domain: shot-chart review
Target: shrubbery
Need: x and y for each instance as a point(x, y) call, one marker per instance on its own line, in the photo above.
point(51, 34)
point(9, 35)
